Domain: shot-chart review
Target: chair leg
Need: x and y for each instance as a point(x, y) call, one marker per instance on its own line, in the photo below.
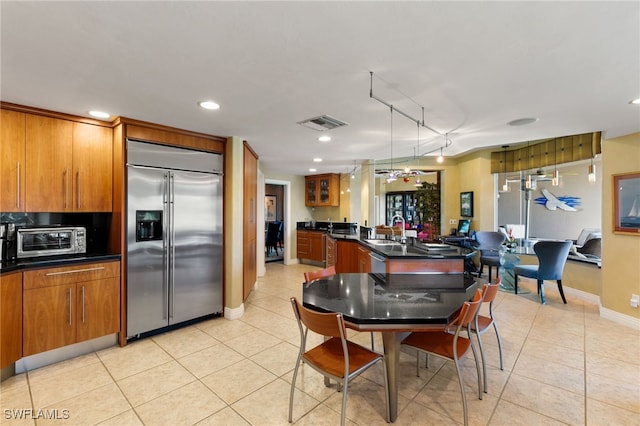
point(418, 362)
point(481, 269)
point(490, 269)
point(372, 341)
point(484, 363)
point(475, 358)
point(515, 283)
point(344, 401)
point(293, 387)
point(561, 292)
point(541, 291)
point(464, 397)
point(495, 327)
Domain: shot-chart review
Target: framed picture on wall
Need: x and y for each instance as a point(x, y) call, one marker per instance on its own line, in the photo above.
point(626, 203)
point(466, 204)
point(270, 208)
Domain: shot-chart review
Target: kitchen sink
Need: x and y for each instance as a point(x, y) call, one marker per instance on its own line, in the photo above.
point(383, 243)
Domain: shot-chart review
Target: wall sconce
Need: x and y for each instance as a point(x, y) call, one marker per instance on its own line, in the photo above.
point(440, 157)
point(592, 172)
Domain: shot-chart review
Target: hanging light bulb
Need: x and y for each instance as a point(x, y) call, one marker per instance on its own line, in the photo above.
point(592, 172)
point(555, 181)
point(505, 185)
point(592, 168)
point(528, 183)
point(440, 157)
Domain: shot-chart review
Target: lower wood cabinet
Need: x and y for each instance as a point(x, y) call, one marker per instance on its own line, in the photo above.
point(364, 260)
point(346, 256)
point(311, 245)
point(10, 318)
point(70, 304)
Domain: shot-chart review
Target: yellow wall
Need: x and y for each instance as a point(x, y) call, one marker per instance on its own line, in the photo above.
point(475, 175)
point(620, 253)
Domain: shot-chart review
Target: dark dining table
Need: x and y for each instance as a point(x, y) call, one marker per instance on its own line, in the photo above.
point(393, 304)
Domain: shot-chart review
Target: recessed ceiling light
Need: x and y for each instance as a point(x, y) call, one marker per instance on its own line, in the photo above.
point(317, 160)
point(522, 121)
point(99, 114)
point(325, 138)
point(635, 101)
point(209, 105)
point(312, 170)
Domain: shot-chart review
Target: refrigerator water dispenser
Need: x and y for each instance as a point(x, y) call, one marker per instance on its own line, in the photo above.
point(148, 225)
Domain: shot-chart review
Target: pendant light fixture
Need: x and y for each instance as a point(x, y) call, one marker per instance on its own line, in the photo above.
point(392, 176)
point(555, 181)
point(505, 185)
point(529, 182)
point(592, 168)
point(418, 180)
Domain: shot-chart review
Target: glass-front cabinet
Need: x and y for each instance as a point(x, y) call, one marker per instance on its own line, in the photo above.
point(322, 190)
point(404, 204)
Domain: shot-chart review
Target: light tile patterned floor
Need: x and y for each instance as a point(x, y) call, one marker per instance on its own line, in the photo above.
point(563, 365)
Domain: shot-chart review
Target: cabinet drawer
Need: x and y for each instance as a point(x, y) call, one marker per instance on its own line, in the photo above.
point(70, 274)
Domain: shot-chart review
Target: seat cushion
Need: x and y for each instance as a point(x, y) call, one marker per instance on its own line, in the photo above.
point(490, 260)
point(529, 271)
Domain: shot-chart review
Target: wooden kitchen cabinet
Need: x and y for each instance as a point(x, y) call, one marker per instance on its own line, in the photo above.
point(330, 250)
point(364, 260)
point(69, 166)
point(311, 245)
point(10, 318)
point(69, 304)
point(12, 158)
point(92, 168)
point(322, 190)
point(347, 256)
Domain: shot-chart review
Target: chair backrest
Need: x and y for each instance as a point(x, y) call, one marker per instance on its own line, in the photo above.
point(489, 292)
point(467, 313)
point(325, 324)
point(489, 240)
point(272, 233)
point(314, 275)
point(552, 255)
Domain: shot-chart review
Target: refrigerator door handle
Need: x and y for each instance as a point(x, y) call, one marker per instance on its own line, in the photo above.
point(165, 247)
point(172, 247)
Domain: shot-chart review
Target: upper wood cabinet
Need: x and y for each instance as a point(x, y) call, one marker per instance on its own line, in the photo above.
point(69, 166)
point(322, 190)
point(12, 158)
point(92, 168)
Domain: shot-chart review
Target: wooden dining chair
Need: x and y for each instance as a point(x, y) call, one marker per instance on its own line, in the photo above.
point(336, 358)
point(450, 344)
point(483, 323)
point(327, 272)
point(320, 273)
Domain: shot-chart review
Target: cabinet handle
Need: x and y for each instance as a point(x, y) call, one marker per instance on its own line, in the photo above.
point(83, 304)
point(66, 188)
point(69, 306)
point(74, 271)
point(18, 186)
point(78, 187)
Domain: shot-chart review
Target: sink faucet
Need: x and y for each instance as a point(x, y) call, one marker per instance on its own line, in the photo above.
point(403, 237)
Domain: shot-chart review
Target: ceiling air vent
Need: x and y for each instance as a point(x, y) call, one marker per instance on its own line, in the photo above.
point(322, 123)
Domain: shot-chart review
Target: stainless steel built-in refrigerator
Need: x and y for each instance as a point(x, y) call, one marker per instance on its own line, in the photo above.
point(174, 236)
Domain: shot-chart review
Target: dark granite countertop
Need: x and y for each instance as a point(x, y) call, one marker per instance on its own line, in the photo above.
point(55, 261)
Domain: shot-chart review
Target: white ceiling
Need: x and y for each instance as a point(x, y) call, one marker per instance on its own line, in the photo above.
point(473, 66)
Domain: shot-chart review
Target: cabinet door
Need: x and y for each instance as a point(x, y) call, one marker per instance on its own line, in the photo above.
point(48, 175)
point(250, 225)
point(10, 318)
point(48, 318)
point(12, 156)
point(92, 168)
point(98, 308)
point(346, 257)
point(303, 245)
point(364, 260)
point(316, 241)
point(311, 185)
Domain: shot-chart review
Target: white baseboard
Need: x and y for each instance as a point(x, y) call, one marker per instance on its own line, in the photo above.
point(623, 319)
point(605, 313)
point(234, 313)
